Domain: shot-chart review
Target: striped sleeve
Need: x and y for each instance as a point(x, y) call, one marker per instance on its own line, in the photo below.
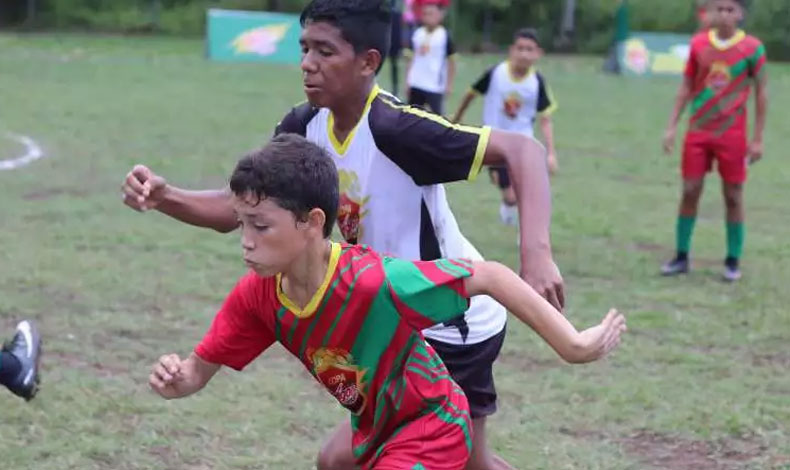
point(426, 293)
point(757, 62)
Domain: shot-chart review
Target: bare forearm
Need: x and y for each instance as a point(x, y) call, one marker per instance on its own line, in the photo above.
point(761, 108)
point(526, 160)
point(547, 129)
point(173, 378)
point(209, 209)
point(468, 98)
point(522, 301)
point(450, 73)
point(680, 104)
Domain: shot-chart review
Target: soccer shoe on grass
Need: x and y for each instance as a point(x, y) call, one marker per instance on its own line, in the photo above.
point(675, 267)
point(26, 347)
point(731, 273)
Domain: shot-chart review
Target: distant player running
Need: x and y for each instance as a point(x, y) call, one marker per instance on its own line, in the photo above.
point(515, 95)
point(723, 63)
point(353, 317)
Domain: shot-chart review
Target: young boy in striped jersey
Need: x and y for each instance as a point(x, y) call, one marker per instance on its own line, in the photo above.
point(353, 316)
point(724, 62)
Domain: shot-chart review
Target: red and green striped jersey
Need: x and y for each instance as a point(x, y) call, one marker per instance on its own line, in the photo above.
point(359, 336)
point(721, 73)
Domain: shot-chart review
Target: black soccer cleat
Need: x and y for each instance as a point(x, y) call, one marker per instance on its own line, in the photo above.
point(26, 347)
point(675, 267)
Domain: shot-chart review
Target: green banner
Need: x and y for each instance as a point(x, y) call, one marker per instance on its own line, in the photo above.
point(247, 36)
point(645, 54)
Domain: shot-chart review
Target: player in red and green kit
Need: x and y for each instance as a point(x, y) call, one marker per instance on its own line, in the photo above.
point(354, 317)
point(723, 64)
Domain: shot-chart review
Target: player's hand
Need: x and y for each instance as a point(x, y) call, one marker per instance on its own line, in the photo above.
point(598, 341)
point(755, 151)
point(165, 376)
point(669, 140)
point(143, 189)
point(553, 165)
point(544, 276)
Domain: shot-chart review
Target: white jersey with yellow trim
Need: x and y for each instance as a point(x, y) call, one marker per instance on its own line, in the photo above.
point(512, 103)
point(430, 51)
point(391, 168)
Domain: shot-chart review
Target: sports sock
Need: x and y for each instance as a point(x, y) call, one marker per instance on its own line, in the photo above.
point(9, 367)
point(683, 231)
point(735, 235)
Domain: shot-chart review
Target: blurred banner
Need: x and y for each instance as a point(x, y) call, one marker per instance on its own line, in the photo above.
point(644, 54)
point(248, 36)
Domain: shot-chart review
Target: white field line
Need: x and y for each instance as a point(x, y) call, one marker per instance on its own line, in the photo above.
point(32, 153)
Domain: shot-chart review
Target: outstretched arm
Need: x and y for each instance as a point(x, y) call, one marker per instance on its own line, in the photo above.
point(467, 100)
point(521, 300)
point(144, 190)
point(526, 160)
point(173, 378)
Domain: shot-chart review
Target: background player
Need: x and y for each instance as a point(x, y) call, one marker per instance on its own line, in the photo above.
point(514, 95)
point(723, 63)
point(431, 70)
point(354, 318)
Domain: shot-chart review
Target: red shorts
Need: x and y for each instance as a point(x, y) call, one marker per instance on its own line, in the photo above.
point(441, 440)
point(729, 151)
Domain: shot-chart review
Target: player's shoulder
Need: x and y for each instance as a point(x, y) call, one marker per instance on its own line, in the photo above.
point(385, 115)
point(253, 290)
point(700, 39)
point(752, 42)
point(361, 266)
point(297, 119)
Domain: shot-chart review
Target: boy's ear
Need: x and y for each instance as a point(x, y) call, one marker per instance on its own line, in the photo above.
point(371, 59)
point(316, 219)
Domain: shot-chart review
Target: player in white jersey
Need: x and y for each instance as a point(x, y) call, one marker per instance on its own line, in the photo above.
point(431, 70)
point(515, 94)
point(392, 161)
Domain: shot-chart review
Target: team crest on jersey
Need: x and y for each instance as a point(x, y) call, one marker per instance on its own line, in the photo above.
point(512, 105)
point(424, 48)
point(351, 209)
point(336, 370)
point(719, 76)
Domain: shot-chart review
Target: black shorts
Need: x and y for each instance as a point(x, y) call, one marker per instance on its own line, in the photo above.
point(472, 368)
point(503, 177)
point(418, 97)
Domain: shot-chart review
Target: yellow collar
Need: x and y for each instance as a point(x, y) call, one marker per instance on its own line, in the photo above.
point(724, 44)
point(341, 147)
point(312, 305)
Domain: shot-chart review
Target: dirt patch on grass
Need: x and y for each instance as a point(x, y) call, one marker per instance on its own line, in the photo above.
point(45, 194)
point(780, 360)
point(523, 362)
point(74, 361)
point(677, 453)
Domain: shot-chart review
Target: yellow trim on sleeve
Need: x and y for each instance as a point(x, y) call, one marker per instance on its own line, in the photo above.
point(407, 52)
point(311, 306)
point(483, 132)
point(474, 90)
point(341, 147)
point(553, 106)
point(480, 153)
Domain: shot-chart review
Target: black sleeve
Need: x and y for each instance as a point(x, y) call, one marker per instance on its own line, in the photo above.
point(482, 83)
point(545, 102)
point(295, 122)
point(450, 46)
point(427, 147)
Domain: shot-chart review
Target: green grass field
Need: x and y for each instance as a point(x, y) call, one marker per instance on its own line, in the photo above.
point(701, 382)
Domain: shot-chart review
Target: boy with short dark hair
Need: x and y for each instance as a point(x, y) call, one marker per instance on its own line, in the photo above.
point(431, 70)
point(723, 64)
point(353, 317)
point(515, 94)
